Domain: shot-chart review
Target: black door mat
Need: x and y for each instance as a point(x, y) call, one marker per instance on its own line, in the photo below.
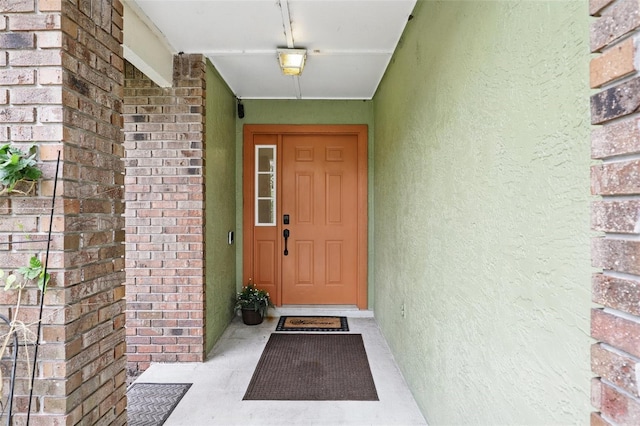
point(313, 367)
point(150, 404)
point(312, 323)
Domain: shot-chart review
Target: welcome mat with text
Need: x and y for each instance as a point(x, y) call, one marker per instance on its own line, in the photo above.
point(312, 323)
point(313, 367)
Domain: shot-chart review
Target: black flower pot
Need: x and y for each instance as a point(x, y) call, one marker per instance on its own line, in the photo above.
point(251, 317)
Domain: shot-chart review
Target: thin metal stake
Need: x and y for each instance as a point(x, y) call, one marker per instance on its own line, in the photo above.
point(44, 288)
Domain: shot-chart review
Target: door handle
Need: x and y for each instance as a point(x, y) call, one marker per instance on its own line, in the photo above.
point(285, 234)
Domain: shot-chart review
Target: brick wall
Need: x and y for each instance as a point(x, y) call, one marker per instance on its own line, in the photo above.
point(164, 185)
point(61, 74)
point(615, 109)
point(30, 37)
point(94, 176)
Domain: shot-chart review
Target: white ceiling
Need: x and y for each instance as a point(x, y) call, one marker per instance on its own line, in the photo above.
point(349, 42)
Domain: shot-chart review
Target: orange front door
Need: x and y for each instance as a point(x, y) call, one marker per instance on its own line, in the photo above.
point(319, 194)
point(307, 243)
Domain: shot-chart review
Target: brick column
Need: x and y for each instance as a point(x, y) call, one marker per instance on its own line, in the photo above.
point(164, 140)
point(615, 36)
point(62, 75)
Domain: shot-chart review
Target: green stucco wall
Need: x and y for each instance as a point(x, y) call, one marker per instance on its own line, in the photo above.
point(481, 211)
point(301, 112)
point(220, 206)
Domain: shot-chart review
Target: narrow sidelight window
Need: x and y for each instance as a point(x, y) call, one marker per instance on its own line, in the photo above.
point(265, 185)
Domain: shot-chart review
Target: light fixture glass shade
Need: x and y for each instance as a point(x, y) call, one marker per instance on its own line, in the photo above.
point(292, 60)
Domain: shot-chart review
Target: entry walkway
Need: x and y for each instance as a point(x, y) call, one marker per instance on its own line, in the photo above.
point(215, 398)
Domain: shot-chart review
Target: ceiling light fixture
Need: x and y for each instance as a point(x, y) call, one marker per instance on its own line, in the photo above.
point(292, 60)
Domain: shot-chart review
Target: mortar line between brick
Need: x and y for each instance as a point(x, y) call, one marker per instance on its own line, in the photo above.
point(619, 352)
point(621, 158)
point(621, 236)
point(608, 419)
point(622, 197)
point(620, 390)
point(613, 120)
point(621, 314)
point(621, 275)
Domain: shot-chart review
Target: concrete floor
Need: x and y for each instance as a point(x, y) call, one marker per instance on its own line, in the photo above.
point(220, 383)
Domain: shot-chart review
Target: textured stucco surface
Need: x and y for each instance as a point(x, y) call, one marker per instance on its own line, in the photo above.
point(220, 206)
point(481, 211)
point(303, 112)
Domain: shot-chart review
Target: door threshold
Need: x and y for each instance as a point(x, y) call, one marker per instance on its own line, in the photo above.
point(350, 311)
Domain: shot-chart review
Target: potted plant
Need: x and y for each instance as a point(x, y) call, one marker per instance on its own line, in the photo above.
point(253, 303)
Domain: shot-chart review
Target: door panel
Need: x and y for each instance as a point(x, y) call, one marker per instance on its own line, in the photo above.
point(319, 191)
point(303, 198)
point(334, 266)
point(304, 265)
point(321, 185)
point(266, 260)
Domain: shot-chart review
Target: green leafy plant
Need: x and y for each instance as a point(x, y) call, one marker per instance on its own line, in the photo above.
point(35, 270)
point(12, 281)
point(9, 281)
point(17, 166)
point(29, 273)
point(254, 299)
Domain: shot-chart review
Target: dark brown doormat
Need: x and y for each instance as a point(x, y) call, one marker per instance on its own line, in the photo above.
point(313, 367)
point(312, 323)
point(150, 404)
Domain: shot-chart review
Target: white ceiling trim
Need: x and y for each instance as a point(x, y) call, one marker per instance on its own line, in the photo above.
point(145, 48)
point(162, 78)
point(151, 26)
point(296, 87)
point(286, 22)
point(349, 42)
point(288, 34)
point(274, 52)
